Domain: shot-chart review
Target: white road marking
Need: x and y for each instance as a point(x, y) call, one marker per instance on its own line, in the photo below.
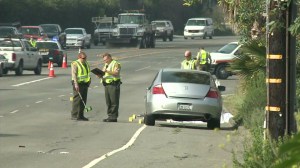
point(38, 102)
point(143, 68)
point(12, 112)
point(61, 95)
point(129, 143)
point(1, 116)
point(26, 83)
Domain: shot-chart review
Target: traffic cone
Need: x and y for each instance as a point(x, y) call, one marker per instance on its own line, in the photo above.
point(49, 64)
point(51, 72)
point(64, 64)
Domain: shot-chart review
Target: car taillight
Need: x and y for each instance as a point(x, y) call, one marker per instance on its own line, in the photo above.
point(56, 52)
point(158, 89)
point(14, 57)
point(212, 93)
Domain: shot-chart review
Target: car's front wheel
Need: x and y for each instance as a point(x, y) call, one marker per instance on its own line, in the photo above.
point(221, 72)
point(149, 120)
point(19, 69)
point(38, 68)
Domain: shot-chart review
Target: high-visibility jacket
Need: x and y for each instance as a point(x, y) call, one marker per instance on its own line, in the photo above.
point(202, 57)
point(108, 78)
point(83, 73)
point(188, 64)
point(32, 42)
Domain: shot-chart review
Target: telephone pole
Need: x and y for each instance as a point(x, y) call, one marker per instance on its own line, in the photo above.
point(280, 78)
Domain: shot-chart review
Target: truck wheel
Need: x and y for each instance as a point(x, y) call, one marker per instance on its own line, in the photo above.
point(4, 71)
point(96, 42)
point(149, 120)
point(19, 69)
point(142, 43)
point(221, 72)
point(38, 68)
point(152, 41)
point(164, 38)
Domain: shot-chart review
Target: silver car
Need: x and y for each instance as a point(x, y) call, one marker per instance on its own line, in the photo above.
point(184, 95)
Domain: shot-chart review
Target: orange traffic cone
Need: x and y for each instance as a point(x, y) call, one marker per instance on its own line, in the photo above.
point(51, 72)
point(64, 64)
point(49, 64)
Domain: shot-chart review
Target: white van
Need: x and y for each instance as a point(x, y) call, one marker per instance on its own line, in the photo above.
point(198, 27)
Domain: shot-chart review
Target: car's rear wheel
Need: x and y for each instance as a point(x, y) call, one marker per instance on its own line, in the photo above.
point(1, 70)
point(171, 37)
point(149, 120)
point(213, 123)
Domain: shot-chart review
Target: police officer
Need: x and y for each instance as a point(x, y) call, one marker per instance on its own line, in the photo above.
point(32, 41)
point(203, 60)
point(188, 62)
point(111, 82)
point(81, 81)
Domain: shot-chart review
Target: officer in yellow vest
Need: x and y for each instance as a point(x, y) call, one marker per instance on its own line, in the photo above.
point(81, 81)
point(32, 42)
point(111, 82)
point(188, 62)
point(203, 60)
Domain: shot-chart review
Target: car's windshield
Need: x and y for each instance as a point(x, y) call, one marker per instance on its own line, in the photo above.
point(105, 25)
point(6, 31)
point(46, 45)
point(185, 77)
point(50, 28)
point(32, 31)
point(73, 31)
point(196, 23)
point(131, 19)
point(160, 24)
point(227, 49)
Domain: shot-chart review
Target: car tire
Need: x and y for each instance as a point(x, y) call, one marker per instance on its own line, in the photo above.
point(213, 123)
point(4, 71)
point(38, 68)
point(171, 37)
point(19, 69)
point(1, 70)
point(149, 120)
point(221, 72)
point(96, 42)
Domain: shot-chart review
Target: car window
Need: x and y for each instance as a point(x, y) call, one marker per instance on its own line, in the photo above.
point(46, 45)
point(33, 31)
point(185, 77)
point(50, 28)
point(227, 49)
point(9, 43)
point(196, 23)
point(73, 31)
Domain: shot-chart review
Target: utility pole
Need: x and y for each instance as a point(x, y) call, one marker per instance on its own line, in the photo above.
point(281, 69)
point(276, 71)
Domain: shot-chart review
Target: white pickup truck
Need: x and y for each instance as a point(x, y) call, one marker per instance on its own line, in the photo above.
point(78, 37)
point(20, 55)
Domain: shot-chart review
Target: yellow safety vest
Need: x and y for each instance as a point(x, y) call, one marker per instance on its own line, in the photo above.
point(108, 78)
point(33, 43)
point(191, 64)
point(83, 74)
point(202, 56)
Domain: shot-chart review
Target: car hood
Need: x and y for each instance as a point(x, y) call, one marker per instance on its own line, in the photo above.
point(221, 56)
point(74, 35)
point(186, 90)
point(194, 27)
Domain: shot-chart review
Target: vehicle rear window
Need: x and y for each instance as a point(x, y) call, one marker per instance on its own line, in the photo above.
point(46, 45)
point(227, 49)
point(9, 43)
point(185, 77)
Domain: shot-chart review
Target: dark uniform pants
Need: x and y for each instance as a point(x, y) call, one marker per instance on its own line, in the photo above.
point(112, 96)
point(78, 106)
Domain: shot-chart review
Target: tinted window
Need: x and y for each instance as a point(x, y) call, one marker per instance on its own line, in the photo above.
point(8, 43)
point(73, 31)
point(196, 23)
point(46, 45)
point(185, 77)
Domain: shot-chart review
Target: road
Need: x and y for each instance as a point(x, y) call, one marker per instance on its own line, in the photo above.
point(36, 130)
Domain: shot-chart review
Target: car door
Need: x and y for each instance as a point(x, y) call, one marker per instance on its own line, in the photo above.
point(31, 54)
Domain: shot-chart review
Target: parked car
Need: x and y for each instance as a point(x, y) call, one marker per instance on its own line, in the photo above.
point(164, 29)
point(36, 32)
point(9, 31)
point(198, 27)
point(3, 64)
point(21, 56)
point(51, 51)
point(184, 95)
point(222, 58)
point(55, 32)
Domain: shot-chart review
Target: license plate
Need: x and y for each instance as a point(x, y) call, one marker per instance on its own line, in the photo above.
point(185, 107)
point(44, 53)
